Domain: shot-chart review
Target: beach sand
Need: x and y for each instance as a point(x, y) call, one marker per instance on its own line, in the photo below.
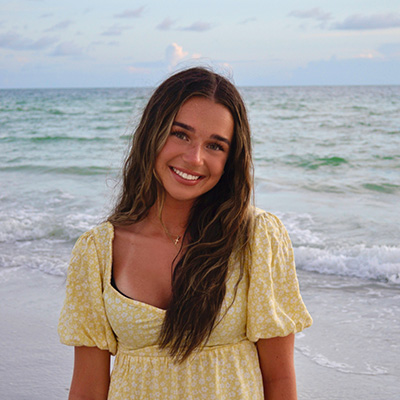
point(34, 365)
point(351, 351)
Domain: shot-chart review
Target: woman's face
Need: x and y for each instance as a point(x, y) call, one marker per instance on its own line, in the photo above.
point(193, 158)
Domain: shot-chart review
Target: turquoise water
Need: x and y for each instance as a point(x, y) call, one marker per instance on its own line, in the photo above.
point(327, 161)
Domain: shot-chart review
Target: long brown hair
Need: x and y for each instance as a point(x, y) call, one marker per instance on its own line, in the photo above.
point(220, 220)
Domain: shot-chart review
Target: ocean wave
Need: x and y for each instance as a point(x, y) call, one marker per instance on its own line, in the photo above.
point(35, 110)
point(38, 238)
point(46, 263)
point(41, 237)
point(56, 112)
point(66, 138)
point(323, 361)
point(382, 188)
point(56, 138)
point(127, 111)
point(308, 162)
point(315, 163)
point(29, 225)
point(380, 263)
point(73, 170)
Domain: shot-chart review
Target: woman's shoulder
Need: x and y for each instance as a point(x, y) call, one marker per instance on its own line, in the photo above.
point(103, 230)
point(269, 232)
point(99, 234)
point(266, 220)
point(93, 249)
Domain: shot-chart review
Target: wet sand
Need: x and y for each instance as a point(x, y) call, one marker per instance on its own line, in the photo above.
point(352, 351)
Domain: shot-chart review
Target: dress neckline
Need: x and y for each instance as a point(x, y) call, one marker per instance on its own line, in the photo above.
point(114, 288)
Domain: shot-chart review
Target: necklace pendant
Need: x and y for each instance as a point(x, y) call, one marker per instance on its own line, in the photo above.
point(177, 240)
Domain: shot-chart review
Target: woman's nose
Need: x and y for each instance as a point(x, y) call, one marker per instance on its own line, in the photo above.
point(193, 155)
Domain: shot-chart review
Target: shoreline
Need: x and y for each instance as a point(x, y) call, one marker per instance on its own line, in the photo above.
point(352, 349)
point(350, 352)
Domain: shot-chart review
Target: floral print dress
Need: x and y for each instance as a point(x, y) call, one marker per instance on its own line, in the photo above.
point(267, 304)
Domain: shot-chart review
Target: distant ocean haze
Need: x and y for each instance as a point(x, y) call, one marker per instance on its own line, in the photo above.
point(327, 162)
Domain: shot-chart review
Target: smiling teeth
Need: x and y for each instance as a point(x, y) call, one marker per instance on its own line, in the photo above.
point(186, 176)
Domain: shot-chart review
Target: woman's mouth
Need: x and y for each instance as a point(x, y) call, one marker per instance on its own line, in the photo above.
point(186, 176)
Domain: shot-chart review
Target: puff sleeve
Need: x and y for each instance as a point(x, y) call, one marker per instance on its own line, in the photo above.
point(275, 306)
point(83, 320)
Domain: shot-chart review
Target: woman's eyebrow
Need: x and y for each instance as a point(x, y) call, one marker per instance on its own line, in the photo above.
point(191, 129)
point(184, 126)
point(221, 139)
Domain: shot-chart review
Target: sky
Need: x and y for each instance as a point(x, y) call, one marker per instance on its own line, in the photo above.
point(119, 43)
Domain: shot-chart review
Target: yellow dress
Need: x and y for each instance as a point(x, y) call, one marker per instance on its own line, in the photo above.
point(267, 304)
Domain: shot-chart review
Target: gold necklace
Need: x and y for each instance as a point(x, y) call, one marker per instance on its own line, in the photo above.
point(175, 240)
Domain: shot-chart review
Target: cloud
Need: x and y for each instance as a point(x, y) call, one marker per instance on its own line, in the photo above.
point(15, 41)
point(166, 24)
point(198, 27)
point(115, 30)
point(370, 55)
point(174, 54)
point(247, 20)
point(67, 49)
point(60, 26)
point(138, 70)
point(130, 13)
point(375, 21)
point(353, 22)
point(313, 13)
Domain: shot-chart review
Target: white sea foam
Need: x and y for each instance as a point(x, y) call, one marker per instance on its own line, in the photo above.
point(301, 228)
point(376, 262)
point(316, 251)
point(48, 263)
point(30, 224)
point(40, 239)
point(29, 236)
point(323, 361)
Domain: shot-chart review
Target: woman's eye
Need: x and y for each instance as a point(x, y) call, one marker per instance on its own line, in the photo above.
point(216, 146)
point(179, 135)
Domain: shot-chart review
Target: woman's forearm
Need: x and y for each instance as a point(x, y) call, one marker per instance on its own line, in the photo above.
point(281, 389)
point(91, 377)
point(277, 367)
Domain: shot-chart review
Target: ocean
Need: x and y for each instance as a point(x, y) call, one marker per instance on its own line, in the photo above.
point(327, 162)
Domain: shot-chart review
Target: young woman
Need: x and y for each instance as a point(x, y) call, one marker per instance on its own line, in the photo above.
point(193, 289)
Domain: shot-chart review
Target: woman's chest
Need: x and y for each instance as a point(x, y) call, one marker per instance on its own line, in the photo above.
point(142, 269)
point(137, 325)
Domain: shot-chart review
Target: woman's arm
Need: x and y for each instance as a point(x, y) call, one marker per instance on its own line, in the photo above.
point(277, 367)
point(91, 377)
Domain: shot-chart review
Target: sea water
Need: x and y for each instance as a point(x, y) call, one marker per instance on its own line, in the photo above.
point(327, 162)
point(326, 159)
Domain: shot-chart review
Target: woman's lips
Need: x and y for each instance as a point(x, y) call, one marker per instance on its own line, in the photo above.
point(185, 175)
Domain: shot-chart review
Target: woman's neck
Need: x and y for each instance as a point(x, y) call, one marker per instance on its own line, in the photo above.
point(173, 218)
